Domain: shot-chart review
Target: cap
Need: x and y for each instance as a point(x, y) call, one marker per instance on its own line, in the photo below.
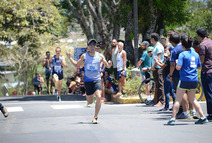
point(145, 43)
point(91, 40)
point(202, 32)
point(150, 48)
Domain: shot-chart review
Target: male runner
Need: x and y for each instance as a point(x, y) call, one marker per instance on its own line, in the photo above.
point(92, 76)
point(48, 72)
point(58, 63)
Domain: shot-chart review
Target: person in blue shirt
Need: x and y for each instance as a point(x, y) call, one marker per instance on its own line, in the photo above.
point(58, 63)
point(92, 74)
point(143, 64)
point(187, 65)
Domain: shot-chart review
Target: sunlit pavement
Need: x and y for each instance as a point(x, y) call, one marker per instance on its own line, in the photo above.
point(42, 119)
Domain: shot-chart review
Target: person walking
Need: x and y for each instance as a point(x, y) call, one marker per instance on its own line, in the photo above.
point(206, 73)
point(92, 76)
point(187, 64)
point(58, 63)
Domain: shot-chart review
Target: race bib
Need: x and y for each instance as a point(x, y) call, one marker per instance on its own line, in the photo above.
point(92, 67)
point(57, 68)
point(193, 64)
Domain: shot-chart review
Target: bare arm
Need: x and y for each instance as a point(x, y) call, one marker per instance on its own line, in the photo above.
point(202, 59)
point(76, 63)
point(162, 65)
point(44, 62)
point(107, 64)
point(139, 63)
point(172, 68)
point(178, 67)
point(124, 56)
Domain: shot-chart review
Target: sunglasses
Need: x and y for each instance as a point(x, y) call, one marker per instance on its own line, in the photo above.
point(92, 44)
point(149, 51)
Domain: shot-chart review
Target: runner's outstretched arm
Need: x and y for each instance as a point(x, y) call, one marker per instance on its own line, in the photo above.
point(76, 63)
point(107, 64)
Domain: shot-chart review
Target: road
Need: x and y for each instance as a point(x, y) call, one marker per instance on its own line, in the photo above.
point(42, 119)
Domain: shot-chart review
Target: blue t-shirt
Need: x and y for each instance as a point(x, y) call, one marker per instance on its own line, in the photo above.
point(174, 58)
point(158, 48)
point(189, 61)
point(146, 61)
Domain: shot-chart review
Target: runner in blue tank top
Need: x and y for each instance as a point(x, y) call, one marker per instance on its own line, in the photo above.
point(58, 63)
point(92, 77)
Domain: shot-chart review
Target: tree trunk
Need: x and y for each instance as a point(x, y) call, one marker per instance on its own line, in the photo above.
point(19, 79)
point(153, 20)
point(128, 38)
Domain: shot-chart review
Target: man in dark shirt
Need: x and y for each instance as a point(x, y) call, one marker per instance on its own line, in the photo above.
point(206, 73)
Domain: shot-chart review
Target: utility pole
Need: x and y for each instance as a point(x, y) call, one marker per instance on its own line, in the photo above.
point(135, 15)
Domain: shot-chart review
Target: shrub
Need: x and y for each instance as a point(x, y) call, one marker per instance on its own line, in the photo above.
point(132, 86)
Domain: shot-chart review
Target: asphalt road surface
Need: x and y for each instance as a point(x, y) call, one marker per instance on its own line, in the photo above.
point(42, 119)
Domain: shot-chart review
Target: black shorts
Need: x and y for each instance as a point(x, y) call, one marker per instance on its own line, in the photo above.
point(36, 87)
point(187, 85)
point(48, 74)
point(92, 87)
point(60, 75)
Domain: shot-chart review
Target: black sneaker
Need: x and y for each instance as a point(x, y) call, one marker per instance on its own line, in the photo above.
point(209, 118)
point(4, 112)
point(202, 121)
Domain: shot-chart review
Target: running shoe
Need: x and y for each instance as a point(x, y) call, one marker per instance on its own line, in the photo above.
point(103, 99)
point(59, 98)
point(202, 121)
point(171, 122)
point(88, 105)
point(194, 114)
point(94, 121)
point(4, 112)
point(117, 95)
point(183, 116)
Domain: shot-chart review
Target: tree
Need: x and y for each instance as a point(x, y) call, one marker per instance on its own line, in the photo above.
point(26, 21)
point(201, 16)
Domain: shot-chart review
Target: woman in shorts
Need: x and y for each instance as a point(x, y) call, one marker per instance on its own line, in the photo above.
point(187, 64)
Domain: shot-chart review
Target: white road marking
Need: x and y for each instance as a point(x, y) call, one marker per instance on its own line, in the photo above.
point(66, 106)
point(14, 109)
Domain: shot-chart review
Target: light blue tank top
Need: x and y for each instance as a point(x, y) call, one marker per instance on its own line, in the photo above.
point(92, 67)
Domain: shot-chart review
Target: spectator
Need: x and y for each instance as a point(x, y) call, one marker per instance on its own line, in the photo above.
point(196, 46)
point(145, 63)
point(157, 70)
point(206, 73)
point(36, 83)
point(114, 53)
point(188, 62)
point(167, 84)
point(121, 68)
point(41, 80)
point(110, 87)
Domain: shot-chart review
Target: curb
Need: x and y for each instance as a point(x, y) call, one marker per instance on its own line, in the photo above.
point(136, 99)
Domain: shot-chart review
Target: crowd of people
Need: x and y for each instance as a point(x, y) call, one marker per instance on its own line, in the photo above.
point(172, 61)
